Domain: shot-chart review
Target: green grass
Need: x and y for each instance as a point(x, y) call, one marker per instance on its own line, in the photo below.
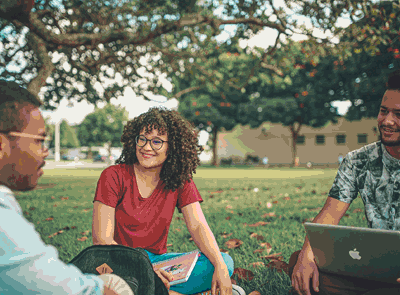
point(295, 194)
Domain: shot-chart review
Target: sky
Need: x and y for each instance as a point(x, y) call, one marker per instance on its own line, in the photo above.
point(74, 112)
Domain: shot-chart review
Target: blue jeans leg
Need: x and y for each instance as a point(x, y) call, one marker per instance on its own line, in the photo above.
point(201, 277)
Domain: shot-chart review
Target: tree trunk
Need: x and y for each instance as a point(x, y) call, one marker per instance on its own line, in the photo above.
point(215, 146)
point(90, 153)
point(295, 132)
point(109, 162)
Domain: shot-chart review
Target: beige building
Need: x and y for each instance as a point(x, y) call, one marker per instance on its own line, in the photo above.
point(321, 146)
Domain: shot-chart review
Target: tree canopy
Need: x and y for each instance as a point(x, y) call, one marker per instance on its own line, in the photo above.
point(104, 125)
point(91, 50)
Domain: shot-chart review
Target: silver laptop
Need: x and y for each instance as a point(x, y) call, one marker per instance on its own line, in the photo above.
point(355, 251)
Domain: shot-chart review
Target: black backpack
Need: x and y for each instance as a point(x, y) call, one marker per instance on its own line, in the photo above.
point(131, 264)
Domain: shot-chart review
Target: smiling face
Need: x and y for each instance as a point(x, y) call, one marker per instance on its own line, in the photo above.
point(22, 158)
point(149, 158)
point(389, 118)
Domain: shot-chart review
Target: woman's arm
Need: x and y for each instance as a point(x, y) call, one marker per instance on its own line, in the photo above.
point(202, 234)
point(103, 224)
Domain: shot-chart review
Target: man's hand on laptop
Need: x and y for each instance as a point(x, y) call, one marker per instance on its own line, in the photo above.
point(303, 271)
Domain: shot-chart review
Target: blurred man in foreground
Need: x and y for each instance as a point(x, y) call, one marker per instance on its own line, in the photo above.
point(27, 265)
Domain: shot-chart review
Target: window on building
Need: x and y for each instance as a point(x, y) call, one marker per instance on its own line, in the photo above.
point(320, 139)
point(340, 139)
point(362, 138)
point(301, 139)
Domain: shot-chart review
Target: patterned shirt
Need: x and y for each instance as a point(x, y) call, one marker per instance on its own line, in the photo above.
point(375, 174)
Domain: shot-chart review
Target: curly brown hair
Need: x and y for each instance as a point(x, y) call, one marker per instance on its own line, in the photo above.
point(183, 148)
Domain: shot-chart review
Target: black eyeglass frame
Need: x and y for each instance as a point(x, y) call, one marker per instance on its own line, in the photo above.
point(151, 142)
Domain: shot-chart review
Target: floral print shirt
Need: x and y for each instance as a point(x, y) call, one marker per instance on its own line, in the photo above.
point(375, 174)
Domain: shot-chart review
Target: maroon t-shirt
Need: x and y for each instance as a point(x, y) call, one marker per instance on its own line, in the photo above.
point(141, 222)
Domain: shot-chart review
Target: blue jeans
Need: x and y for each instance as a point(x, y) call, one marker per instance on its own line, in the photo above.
point(201, 277)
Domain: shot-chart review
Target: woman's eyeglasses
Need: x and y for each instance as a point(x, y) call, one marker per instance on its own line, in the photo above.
point(155, 143)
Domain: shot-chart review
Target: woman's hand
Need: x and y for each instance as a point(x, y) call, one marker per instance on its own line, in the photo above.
point(165, 277)
point(221, 281)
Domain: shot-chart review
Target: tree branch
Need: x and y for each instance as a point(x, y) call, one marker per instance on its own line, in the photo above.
point(187, 90)
point(110, 34)
point(46, 68)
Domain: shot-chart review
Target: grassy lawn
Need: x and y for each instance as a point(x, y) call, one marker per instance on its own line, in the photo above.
point(233, 200)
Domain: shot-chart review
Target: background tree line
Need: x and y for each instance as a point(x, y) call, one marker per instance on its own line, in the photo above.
point(64, 49)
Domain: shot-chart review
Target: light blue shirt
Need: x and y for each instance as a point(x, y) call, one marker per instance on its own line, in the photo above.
point(28, 266)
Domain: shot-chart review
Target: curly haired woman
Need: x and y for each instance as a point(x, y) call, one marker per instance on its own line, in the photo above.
point(136, 198)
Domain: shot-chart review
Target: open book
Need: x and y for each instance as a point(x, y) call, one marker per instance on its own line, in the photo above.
point(180, 267)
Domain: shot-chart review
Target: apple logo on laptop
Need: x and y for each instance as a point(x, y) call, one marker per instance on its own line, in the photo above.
point(355, 254)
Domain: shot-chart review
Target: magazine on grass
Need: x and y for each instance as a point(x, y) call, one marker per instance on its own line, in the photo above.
point(180, 267)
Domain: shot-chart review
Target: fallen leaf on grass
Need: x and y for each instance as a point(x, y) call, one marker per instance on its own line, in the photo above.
point(308, 219)
point(86, 210)
point(233, 243)
point(255, 293)
point(53, 197)
point(224, 250)
point(286, 198)
point(55, 205)
point(260, 223)
point(270, 214)
point(82, 239)
point(255, 264)
point(216, 192)
point(211, 196)
point(179, 218)
point(76, 207)
point(275, 256)
point(85, 233)
point(313, 191)
point(243, 274)
point(50, 218)
point(258, 251)
point(267, 247)
point(257, 236)
point(228, 207)
point(56, 233)
point(357, 210)
point(190, 239)
point(279, 266)
point(64, 198)
point(228, 218)
point(225, 235)
point(177, 229)
point(275, 202)
point(32, 208)
point(169, 245)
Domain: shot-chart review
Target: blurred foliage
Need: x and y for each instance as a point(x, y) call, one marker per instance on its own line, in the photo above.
point(104, 125)
point(68, 137)
point(91, 50)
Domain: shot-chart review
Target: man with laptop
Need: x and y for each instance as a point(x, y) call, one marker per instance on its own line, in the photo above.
point(373, 171)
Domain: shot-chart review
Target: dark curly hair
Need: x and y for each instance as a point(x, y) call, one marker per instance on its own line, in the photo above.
point(183, 148)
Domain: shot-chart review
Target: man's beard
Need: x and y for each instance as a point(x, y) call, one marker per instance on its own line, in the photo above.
point(388, 143)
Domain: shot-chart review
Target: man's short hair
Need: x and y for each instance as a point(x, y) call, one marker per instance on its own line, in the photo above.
point(393, 82)
point(13, 99)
